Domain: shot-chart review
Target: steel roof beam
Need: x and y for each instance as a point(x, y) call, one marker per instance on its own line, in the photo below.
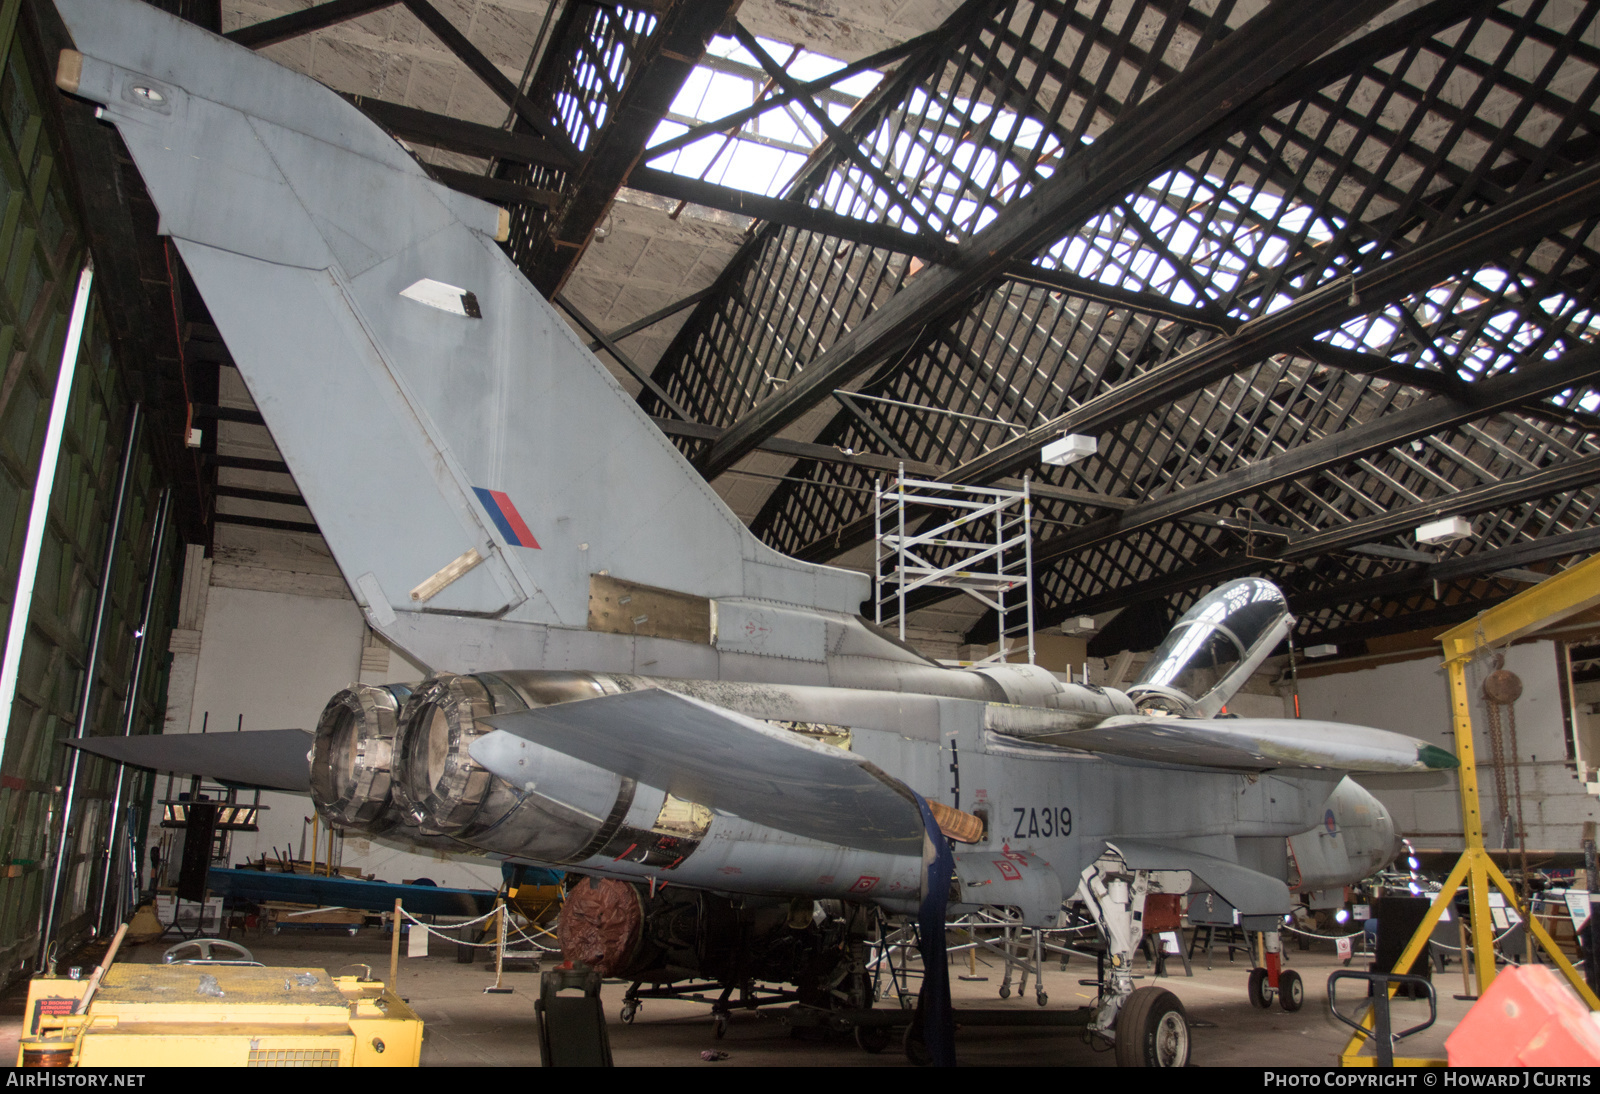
point(483, 68)
point(1409, 579)
point(736, 120)
point(1530, 217)
point(1517, 223)
point(645, 321)
point(272, 31)
point(1497, 495)
point(664, 63)
point(491, 189)
point(790, 214)
point(1148, 303)
point(1223, 82)
point(454, 135)
point(1440, 412)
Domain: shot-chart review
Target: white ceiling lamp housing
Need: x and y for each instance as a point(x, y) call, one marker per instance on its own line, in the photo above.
point(1444, 531)
point(1070, 448)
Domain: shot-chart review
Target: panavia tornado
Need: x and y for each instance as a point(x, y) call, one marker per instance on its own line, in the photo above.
point(626, 684)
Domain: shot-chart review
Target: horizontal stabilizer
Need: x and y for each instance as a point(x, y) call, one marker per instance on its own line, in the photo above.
point(274, 759)
point(1251, 892)
point(728, 762)
point(1252, 743)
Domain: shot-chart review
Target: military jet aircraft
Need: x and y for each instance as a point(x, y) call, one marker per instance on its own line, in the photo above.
point(627, 684)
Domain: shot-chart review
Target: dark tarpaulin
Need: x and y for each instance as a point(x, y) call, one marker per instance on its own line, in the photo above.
point(339, 892)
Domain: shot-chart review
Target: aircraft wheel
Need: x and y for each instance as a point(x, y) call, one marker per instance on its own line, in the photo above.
point(200, 951)
point(628, 1011)
point(873, 1039)
point(1260, 993)
point(1291, 991)
point(1005, 991)
point(1152, 1030)
point(719, 1023)
point(1044, 1000)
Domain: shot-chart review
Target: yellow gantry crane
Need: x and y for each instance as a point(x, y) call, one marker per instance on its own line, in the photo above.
point(1556, 598)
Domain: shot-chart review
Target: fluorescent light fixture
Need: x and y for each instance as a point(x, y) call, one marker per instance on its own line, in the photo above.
point(1443, 531)
point(39, 513)
point(1324, 650)
point(1070, 448)
point(436, 294)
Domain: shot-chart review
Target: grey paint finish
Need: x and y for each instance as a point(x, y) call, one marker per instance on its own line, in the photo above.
point(729, 762)
point(1254, 743)
point(323, 222)
point(303, 224)
point(276, 759)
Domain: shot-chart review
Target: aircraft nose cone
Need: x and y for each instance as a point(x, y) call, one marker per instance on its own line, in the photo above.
point(1388, 836)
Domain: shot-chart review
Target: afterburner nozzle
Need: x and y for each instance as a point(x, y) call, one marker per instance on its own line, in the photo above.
point(352, 757)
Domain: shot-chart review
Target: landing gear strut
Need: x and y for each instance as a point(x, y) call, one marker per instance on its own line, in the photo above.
point(1269, 980)
point(1148, 1026)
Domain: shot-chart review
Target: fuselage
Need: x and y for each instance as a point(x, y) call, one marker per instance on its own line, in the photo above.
point(1040, 804)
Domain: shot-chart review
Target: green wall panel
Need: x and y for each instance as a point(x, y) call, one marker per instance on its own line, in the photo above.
point(41, 253)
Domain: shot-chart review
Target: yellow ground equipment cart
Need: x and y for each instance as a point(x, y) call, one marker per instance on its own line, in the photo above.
point(220, 1016)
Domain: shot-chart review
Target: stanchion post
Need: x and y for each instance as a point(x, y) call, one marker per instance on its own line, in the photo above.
point(394, 951)
point(499, 950)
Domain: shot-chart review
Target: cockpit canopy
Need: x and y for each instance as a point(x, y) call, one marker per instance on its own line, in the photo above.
point(1229, 631)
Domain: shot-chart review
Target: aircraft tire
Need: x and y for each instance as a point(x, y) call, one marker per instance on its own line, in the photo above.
point(1152, 1030)
point(873, 1039)
point(1260, 993)
point(1291, 991)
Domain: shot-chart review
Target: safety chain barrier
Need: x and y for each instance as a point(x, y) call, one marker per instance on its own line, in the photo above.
point(1358, 934)
point(442, 936)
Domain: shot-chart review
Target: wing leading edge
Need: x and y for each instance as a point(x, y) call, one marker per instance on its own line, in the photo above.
point(1249, 743)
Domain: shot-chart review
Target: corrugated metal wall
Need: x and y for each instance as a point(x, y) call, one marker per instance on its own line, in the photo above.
point(42, 251)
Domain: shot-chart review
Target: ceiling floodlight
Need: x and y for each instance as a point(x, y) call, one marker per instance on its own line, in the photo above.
point(1324, 650)
point(1443, 531)
point(1078, 624)
point(1068, 449)
point(436, 294)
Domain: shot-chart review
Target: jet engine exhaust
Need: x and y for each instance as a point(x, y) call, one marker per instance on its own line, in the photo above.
point(352, 759)
point(395, 756)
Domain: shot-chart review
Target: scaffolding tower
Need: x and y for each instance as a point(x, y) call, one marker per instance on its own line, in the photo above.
point(978, 539)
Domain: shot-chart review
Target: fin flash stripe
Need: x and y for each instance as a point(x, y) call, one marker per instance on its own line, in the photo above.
point(506, 518)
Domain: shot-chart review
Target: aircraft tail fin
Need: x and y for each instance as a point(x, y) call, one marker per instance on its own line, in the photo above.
point(462, 451)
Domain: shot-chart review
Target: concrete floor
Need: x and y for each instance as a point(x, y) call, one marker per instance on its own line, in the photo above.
point(466, 1027)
